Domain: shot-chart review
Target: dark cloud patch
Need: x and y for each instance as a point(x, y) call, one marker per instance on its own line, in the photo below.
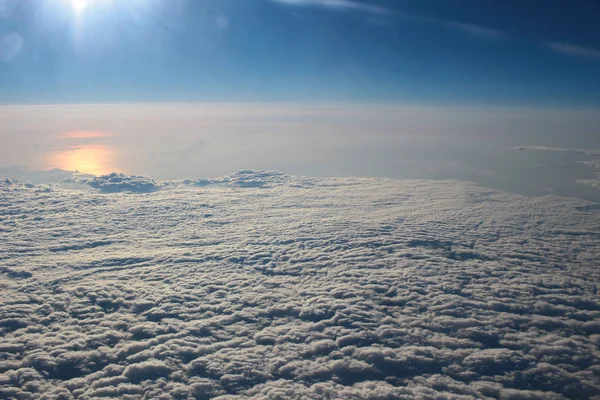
point(14, 274)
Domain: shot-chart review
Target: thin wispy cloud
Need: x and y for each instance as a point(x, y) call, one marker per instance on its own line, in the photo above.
point(479, 31)
point(476, 30)
point(471, 29)
point(573, 50)
point(341, 5)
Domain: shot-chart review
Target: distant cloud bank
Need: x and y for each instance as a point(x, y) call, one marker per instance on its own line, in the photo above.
point(593, 163)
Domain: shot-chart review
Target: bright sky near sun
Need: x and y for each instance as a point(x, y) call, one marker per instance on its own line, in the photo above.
point(432, 51)
point(79, 5)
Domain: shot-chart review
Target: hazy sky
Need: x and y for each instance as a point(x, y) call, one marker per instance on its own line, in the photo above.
point(204, 140)
point(404, 89)
point(463, 51)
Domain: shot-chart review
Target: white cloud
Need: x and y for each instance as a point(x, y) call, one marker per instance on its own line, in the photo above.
point(264, 285)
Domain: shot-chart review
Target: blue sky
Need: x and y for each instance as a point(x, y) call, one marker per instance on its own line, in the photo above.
point(427, 51)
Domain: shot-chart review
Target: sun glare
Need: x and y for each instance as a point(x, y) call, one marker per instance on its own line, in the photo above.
point(95, 159)
point(79, 5)
point(83, 151)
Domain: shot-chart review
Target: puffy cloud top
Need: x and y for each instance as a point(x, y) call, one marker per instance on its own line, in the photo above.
point(296, 288)
point(120, 183)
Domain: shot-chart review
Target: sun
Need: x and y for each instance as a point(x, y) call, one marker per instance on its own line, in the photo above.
point(79, 5)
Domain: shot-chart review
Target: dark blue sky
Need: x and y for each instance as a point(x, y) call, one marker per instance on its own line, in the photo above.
point(428, 51)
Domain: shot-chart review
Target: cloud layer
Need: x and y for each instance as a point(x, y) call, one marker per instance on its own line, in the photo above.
point(276, 287)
